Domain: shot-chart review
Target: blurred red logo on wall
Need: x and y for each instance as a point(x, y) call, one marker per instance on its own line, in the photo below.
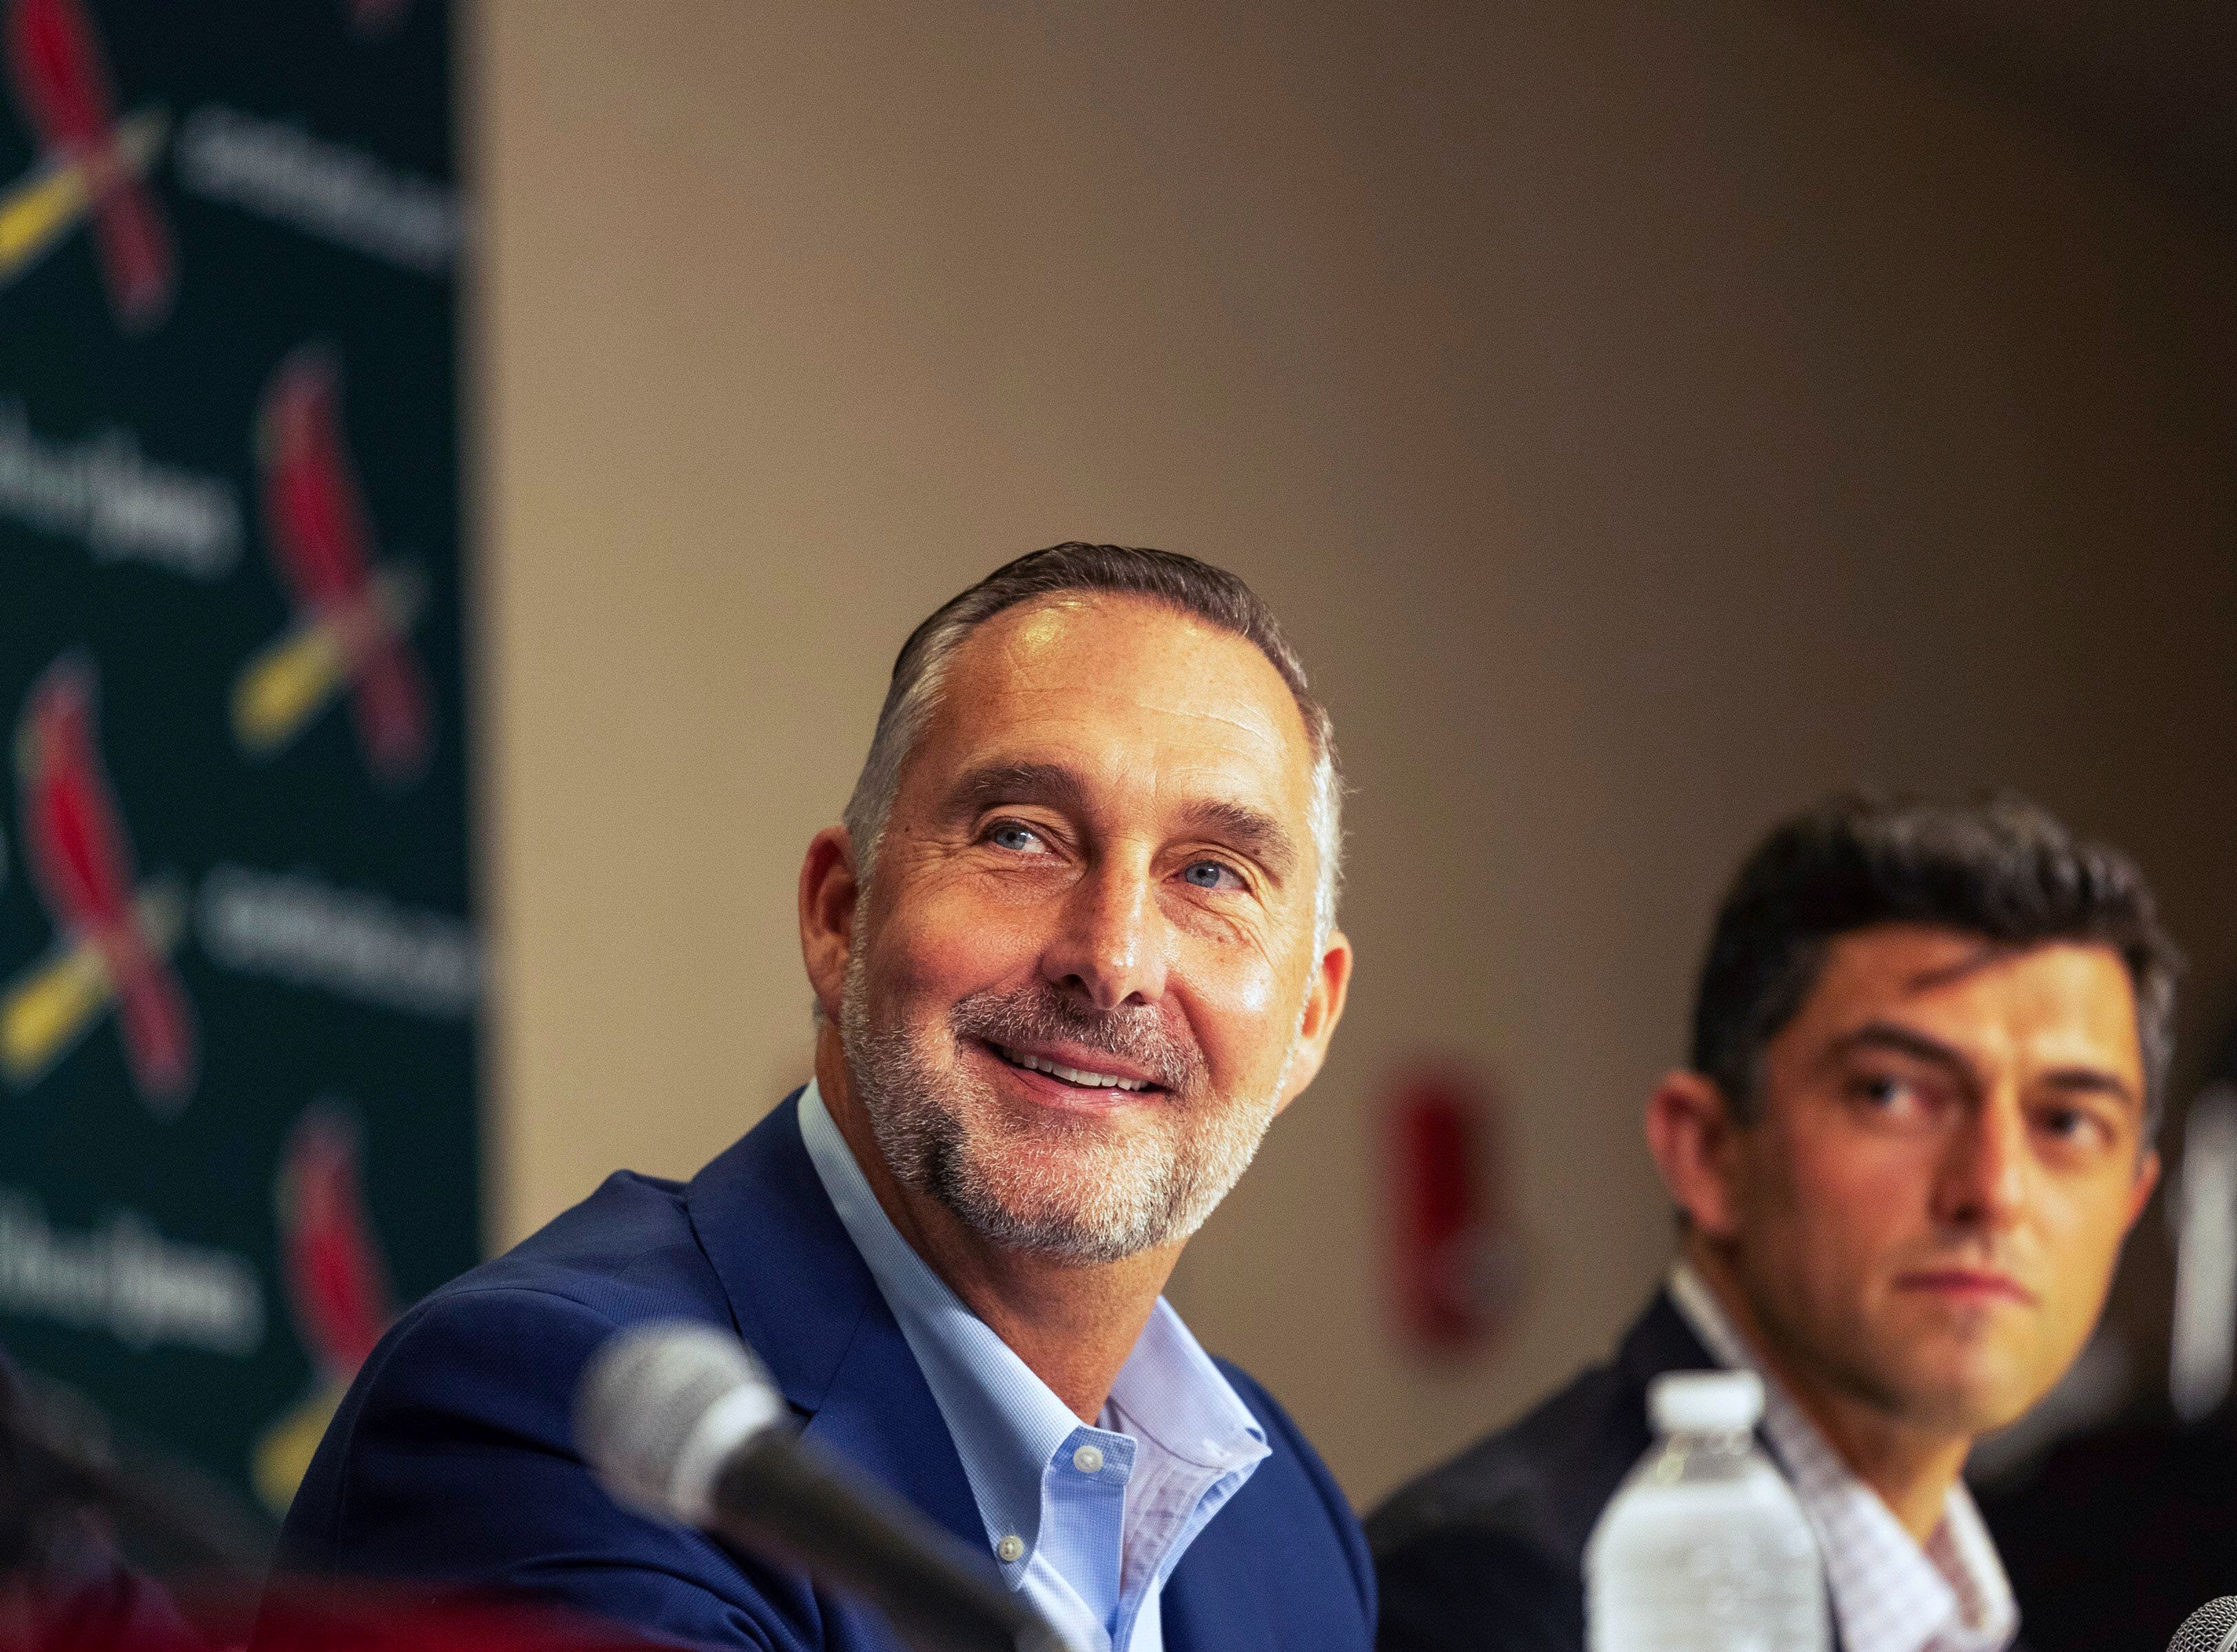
point(91, 163)
point(1454, 1255)
point(352, 617)
point(113, 935)
point(337, 1284)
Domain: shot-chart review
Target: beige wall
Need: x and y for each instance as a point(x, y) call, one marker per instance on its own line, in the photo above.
point(1644, 417)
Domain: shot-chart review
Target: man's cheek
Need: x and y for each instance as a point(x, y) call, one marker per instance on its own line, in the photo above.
point(2084, 1247)
point(949, 953)
point(1877, 1188)
point(1846, 1225)
point(1246, 1001)
point(1254, 992)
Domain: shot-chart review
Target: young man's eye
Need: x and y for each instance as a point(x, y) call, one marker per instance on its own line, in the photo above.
point(1887, 1093)
point(2076, 1126)
point(1212, 875)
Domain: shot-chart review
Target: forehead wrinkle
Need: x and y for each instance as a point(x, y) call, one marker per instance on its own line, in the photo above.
point(1991, 954)
point(1165, 698)
point(1036, 631)
point(1987, 953)
point(1259, 833)
point(1000, 710)
point(1076, 702)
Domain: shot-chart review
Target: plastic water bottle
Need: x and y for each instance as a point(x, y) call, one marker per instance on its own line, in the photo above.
point(1704, 1547)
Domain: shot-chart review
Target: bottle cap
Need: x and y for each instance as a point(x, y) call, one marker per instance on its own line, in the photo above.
point(1704, 1402)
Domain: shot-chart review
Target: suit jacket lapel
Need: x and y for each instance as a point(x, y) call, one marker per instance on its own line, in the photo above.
point(803, 1298)
point(1662, 1341)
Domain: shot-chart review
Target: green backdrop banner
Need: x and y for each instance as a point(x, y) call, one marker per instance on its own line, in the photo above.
point(239, 984)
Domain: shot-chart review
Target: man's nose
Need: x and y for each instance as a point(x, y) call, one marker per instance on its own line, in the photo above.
point(1111, 944)
point(1983, 1181)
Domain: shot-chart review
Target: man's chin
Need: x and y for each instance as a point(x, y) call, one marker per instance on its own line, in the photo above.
point(1965, 1397)
point(1036, 1222)
point(1057, 1186)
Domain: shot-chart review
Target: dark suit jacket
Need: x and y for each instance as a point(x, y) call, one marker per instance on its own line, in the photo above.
point(1486, 1553)
point(452, 1458)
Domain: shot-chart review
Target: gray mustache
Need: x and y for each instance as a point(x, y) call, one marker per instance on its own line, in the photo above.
point(1139, 1038)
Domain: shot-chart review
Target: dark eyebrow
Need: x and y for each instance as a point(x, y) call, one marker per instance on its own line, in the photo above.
point(2090, 1080)
point(1250, 832)
point(1885, 1035)
point(1989, 952)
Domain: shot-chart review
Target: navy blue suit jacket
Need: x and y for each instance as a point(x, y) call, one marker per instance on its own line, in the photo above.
point(452, 1460)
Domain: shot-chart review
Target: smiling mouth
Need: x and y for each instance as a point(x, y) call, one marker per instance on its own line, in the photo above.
point(1078, 1078)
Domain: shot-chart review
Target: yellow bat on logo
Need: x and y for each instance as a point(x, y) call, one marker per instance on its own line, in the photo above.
point(49, 1005)
point(289, 681)
point(54, 200)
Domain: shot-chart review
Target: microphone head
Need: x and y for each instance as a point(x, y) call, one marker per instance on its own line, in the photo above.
point(2212, 1628)
point(662, 1406)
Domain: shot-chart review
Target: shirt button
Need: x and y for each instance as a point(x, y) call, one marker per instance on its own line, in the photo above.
point(1010, 1549)
point(1087, 1460)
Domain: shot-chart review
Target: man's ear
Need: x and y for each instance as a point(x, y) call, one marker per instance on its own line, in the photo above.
point(1695, 1141)
point(828, 891)
point(2148, 1177)
point(1324, 997)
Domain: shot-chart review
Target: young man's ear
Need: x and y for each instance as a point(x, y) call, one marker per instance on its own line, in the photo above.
point(2148, 1178)
point(1692, 1136)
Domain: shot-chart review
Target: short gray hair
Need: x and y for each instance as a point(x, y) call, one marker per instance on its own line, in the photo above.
point(1178, 581)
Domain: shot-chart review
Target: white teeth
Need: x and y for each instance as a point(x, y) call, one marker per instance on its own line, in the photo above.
point(1072, 1074)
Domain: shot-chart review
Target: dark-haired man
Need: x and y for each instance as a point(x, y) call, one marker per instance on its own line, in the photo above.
point(1072, 949)
point(1929, 1050)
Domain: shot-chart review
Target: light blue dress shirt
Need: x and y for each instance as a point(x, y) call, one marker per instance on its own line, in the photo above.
point(1087, 1523)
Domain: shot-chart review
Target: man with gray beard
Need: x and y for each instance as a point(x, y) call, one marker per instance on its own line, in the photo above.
point(1072, 949)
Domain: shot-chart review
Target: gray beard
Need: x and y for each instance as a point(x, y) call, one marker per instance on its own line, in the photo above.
point(1073, 1188)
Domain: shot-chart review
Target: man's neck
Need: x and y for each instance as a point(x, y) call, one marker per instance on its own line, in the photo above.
point(1911, 1470)
point(1073, 1324)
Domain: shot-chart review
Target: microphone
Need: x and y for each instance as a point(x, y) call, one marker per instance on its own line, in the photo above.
point(2212, 1628)
point(680, 1422)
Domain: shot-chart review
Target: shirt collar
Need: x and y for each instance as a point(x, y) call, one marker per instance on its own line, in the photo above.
point(1891, 1593)
point(1005, 1421)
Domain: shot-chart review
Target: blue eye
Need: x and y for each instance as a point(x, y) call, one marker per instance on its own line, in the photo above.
point(1207, 875)
point(1020, 839)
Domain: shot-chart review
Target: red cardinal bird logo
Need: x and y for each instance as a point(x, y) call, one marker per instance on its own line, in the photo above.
point(91, 164)
point(336, 1281)
point(112, 939)
point(353, 618)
